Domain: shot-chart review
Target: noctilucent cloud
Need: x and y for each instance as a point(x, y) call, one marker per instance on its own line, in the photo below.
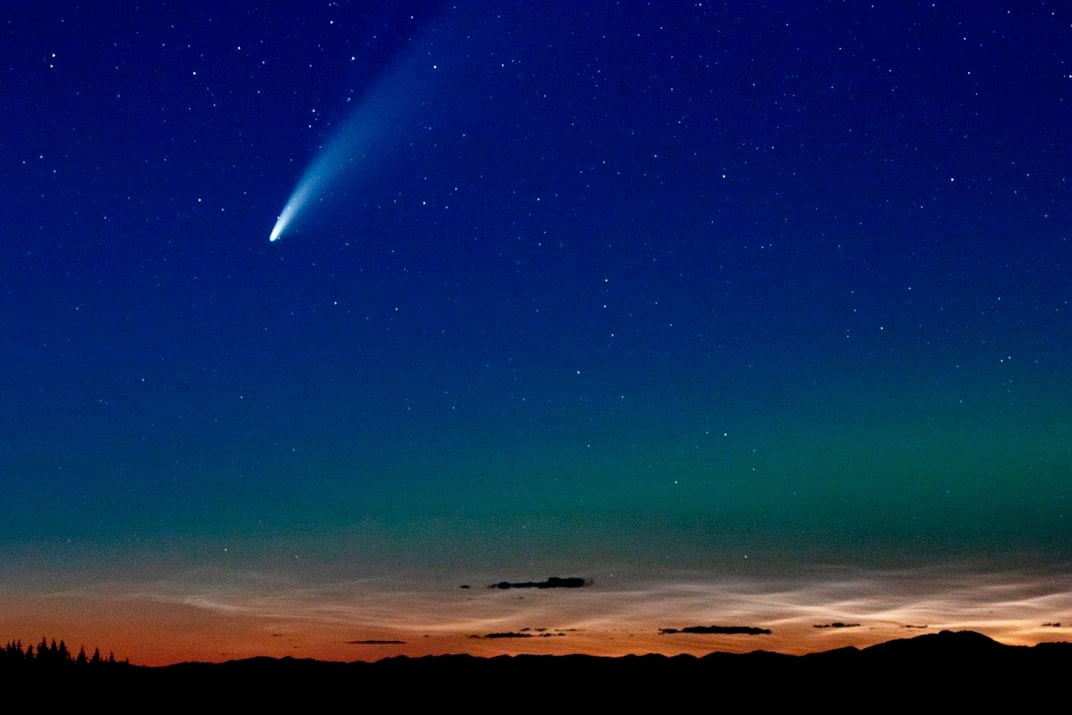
point(748, 316)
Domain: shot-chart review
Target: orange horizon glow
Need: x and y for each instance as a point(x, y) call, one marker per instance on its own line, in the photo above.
point(219, 616)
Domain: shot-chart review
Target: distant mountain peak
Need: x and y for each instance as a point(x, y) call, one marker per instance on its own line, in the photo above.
point(958, 643)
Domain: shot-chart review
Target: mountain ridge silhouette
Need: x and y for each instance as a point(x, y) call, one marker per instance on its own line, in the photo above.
point(944, 643)
point(950, 665)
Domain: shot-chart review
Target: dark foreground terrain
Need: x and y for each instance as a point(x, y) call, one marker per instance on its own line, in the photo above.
point(947, 664)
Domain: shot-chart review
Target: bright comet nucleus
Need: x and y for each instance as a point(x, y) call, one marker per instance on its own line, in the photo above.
point(308, 183)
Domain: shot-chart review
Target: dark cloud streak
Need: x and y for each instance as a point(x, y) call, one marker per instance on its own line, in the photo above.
point(836, 624)
point(552, 582)
point(719, 630)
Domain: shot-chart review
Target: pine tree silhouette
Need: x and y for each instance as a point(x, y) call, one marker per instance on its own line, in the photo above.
point(51, 656)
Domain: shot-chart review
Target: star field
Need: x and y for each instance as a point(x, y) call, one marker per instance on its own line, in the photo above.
point(639, 289)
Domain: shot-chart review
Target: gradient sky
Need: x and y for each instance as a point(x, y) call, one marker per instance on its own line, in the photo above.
point(753, 314)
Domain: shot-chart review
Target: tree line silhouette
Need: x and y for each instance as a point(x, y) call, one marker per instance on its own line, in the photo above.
point(55, 655)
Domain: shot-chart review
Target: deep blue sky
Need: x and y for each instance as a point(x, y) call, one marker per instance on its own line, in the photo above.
point(702, 274)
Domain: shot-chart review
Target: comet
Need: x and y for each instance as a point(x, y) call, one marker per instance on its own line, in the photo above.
point(328, 167)
point(341, 157)
point(383, 114)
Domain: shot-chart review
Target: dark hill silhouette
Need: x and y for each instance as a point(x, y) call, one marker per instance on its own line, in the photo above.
point(950, 666)
point(947, 644)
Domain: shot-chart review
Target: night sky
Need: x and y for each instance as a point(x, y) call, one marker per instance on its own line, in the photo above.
point(751, 313)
